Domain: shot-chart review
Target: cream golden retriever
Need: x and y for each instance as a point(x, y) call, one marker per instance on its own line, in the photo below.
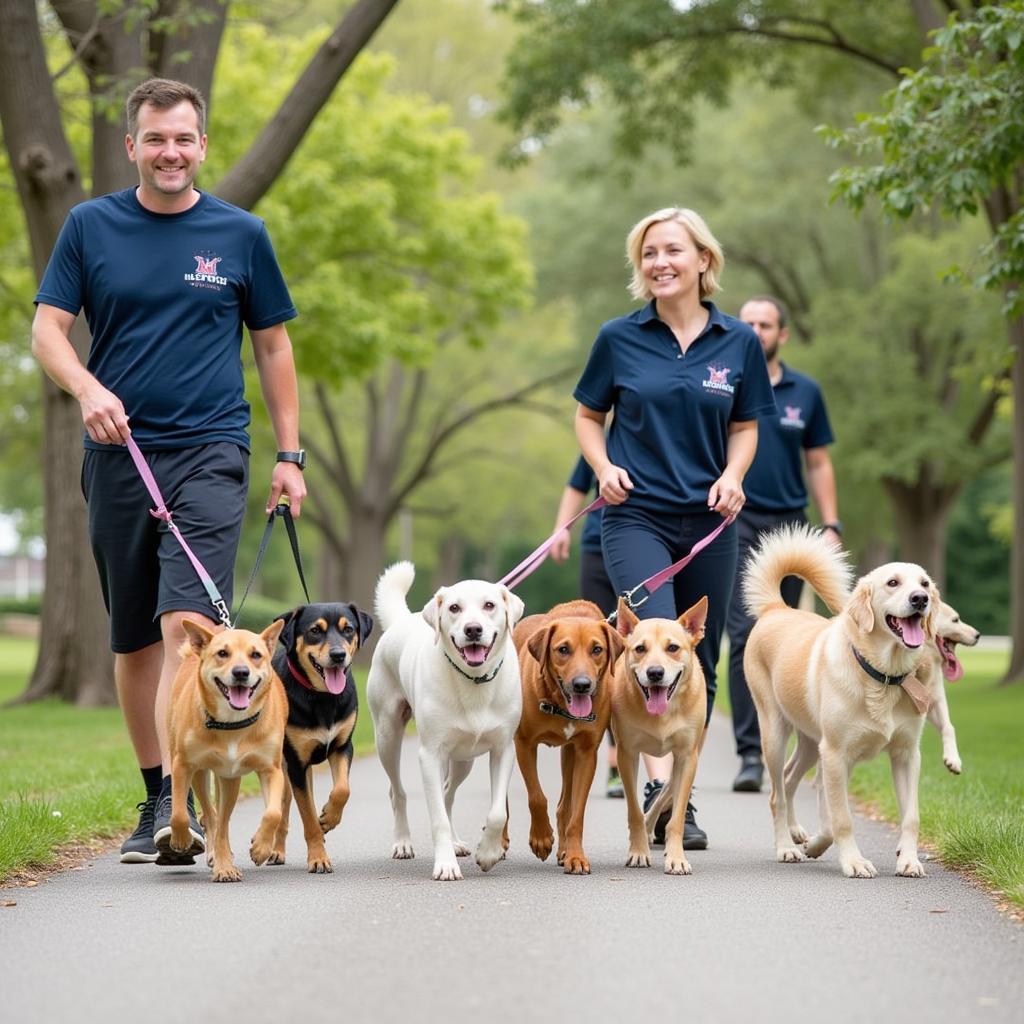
point(837, 683)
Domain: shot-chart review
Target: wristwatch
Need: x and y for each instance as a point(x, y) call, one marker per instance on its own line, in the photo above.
point(299, 457)
point(835, 526)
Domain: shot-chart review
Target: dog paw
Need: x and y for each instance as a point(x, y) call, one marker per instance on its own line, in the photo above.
point(576, 864)
point(328, 820)
point(817, 845)
point(909, 867)
point(402, 850)
point(542, 844)
point(638, 859)
point(181, 840)
point(954, 764)
point(447, 872)
point(677, 865)
point(799, 835)
point(226, 874)
point(319, 865)
point(488, 853)
point(277, 857)
point(789, 855)
point(209, 858)
point(461, 849)
point(858, 867)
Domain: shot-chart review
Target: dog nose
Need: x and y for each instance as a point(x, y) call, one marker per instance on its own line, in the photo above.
point(919, 600)
point(337, 655)
point(240, 672)
point(655, 674)
point(473, 631)
point(582, 684)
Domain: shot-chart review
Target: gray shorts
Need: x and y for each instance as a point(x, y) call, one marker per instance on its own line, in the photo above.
point(143, 570)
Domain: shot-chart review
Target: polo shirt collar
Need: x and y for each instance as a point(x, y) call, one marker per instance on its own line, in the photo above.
point(786, 378)
point(715, 319)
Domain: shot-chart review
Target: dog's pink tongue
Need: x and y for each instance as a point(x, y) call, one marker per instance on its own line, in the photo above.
point(951, 667)
point(657, 702)
point(580, 705)
point(913, 634)
point(238, 697)
point(335, 680)
point(475, 654)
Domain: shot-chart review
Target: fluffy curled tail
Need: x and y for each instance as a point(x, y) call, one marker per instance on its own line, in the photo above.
point(797, 550)
point(389, 597)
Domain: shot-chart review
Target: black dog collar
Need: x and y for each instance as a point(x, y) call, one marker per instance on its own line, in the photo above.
point(212, 723)
point(476, 679)
point(879, 677)
point(553, 709)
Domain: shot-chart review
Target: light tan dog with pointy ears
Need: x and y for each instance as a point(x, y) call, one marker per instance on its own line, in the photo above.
point(227, 715)
point(844, 684)
point(659, 704)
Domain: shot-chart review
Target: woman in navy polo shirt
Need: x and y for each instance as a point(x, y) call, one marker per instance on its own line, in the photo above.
point(687, 384)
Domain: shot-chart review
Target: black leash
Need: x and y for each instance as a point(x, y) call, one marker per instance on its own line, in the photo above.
point(282, 511)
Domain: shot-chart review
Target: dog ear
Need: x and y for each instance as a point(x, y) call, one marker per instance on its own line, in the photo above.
point(859, 606)
point(625, 619)
point(432, 613)
point(365, 622)
point(693, 619)
point(931, 620)
point(537, 645)
point(615, 644)
point(272, 632)
point(514, 607)
point(198, 636)
point(289, 619)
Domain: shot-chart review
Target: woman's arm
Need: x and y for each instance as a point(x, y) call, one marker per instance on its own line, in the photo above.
point(726, 495)
point(614, 484)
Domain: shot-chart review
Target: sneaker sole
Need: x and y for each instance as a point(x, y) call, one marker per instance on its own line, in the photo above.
point(695, 844)
point(137, 857)
point(746, 787)
point(162, 840)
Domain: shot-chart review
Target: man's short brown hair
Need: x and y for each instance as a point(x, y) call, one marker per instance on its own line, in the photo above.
point(162, 94)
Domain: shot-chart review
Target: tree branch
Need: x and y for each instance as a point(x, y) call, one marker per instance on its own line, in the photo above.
point(339, 463)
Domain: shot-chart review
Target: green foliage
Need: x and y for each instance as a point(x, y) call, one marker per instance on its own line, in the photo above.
point(951, 135)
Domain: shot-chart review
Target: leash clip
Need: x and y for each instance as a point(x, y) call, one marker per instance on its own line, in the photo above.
point(222, 612)
point(627, 596)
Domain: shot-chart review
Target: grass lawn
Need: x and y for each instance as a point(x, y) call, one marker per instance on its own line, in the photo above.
point(69, 774)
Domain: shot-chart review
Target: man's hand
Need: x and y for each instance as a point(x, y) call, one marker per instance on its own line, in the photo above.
point(287, 482)
point(103, 414)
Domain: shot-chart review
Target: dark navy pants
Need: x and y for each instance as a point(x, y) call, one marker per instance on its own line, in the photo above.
point(751, 526)
point(639, 543)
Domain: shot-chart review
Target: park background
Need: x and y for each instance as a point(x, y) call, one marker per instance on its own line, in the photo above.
point(449, 183)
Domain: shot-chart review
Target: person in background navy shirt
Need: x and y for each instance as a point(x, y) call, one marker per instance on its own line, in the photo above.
point(797, 434)
point(594, 583)
point(166, 276)
point(687, 385)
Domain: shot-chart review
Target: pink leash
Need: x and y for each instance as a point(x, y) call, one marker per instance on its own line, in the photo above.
point(162, 512)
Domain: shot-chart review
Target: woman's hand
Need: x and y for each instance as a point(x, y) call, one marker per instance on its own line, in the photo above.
point(726, 496)
point(615, 484)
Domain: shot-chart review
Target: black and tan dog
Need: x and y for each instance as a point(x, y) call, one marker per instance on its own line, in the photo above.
point(314, 659)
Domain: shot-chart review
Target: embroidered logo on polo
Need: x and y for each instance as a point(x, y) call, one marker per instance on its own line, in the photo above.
point(205, 274)
point(718, 380)
point(792, 417)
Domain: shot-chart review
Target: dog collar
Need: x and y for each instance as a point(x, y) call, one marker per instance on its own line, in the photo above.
point(213, 723)
point(476, 679)
point(553, 709)
point(879, 677)
point(298, 677)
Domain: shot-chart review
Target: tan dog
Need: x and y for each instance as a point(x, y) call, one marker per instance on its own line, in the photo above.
point(836, 681)
point(566, 660)
point(227, 714)
point(659, 705)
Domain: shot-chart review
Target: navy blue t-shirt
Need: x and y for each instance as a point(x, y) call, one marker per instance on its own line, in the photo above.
point(582, 479)
point(672, 410)
point(775, 482)
point(165, 296)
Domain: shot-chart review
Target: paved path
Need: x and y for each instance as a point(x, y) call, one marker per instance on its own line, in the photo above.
point(742, 939)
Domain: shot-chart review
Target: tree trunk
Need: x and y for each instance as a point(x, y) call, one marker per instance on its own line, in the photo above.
point(1015, 673)
point(364, 558)
point(921, 512)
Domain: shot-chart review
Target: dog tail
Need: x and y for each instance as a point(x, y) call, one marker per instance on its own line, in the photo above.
point(797, 550)
point(389, 599)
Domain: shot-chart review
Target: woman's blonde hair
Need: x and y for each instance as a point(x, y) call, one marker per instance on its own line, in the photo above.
point(697, 229)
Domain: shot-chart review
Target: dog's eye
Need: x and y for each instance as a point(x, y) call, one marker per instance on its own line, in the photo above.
point(454, 609)
point(488, 606)
point(255, 656)
point(672, 648)
point(596, 650)
point(640, 649)
point(315, 631)
point(223, 652)
point(564, 650)
point(347, 631)
point(894, 582)
point(956, 618)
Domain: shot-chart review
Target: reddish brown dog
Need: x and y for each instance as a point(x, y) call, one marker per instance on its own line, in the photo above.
point(566, 658)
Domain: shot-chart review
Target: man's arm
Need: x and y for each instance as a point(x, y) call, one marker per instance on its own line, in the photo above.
point(276, 366)
point(102, 412)
point(821, 481)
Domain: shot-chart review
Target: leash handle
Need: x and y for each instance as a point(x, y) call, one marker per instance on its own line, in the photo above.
point(536, 557)
point(163, 513)
point(284, 512)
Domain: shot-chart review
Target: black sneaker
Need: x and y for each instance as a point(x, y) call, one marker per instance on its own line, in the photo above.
point(139, 847)
point(162, 833)
point(694, 837)
point(651, 791)
point(750, 776)
point(614, 788)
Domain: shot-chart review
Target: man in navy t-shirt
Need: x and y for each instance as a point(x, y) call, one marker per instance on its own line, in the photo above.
point(794, 437)
point(167, 276)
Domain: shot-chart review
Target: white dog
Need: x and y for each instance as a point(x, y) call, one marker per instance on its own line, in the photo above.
point(454, 670)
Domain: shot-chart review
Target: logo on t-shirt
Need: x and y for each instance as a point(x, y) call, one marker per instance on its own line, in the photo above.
point(205, 274)
point(718, 380)
point(792, 417)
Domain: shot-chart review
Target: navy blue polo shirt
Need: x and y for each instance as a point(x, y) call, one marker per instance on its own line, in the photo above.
point(775, 482)
point(582, 479)
point(165, 296)
point(672, 410)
